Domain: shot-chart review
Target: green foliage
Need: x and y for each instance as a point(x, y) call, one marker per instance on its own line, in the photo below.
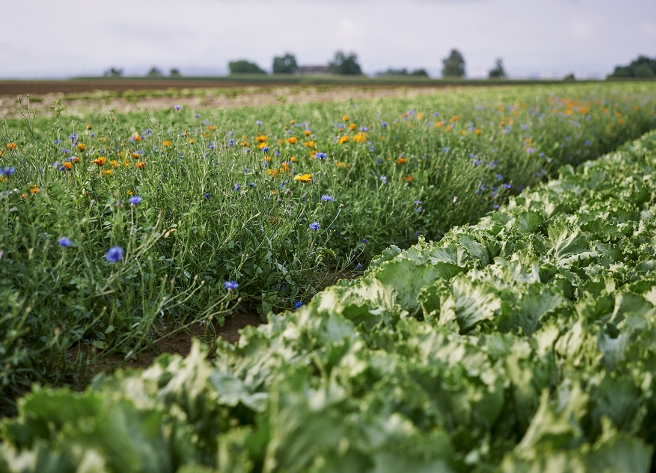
point(404, 73)
point(154, 73)
point(113, 72)
point(532, 350)
point(344, 64)
point(454, 65)
point(643, 67)
point(498, 72)
point(285, 64)
point(409, 166)
point(175, 72)
point(244, 67)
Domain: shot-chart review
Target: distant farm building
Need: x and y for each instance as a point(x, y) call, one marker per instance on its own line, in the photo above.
point(313, 70)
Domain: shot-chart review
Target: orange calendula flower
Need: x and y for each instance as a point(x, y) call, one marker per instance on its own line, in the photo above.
point(34, 190)
point(166, 144)
point(280, 142)
point(136, 155)
point(140, 165)
point(89, 126)
point(261, 139)
point(100, 161)
point(129, 192)
point(137, 138)
point(192, 141)
point(420, 115)
point(113, 162)
point(284, 167)
point(75, 159)
point(272, 172)
point(68, 165)
point(352, 126)
point(303, 177)
point(307, 132)
point(402, 160)
point(291, 122)
point(313, 153)
point(211, 127)
point(408, 178)
point(342, 140)
point(309, 144)
point(293, 159)
point(360, 137)
point(477, 131)
point(345, 118)
point(342, 164)
point(439, 125)
point(102, 140)
point(263, 145)
point(292, 140)
point(245, 144)
point(81, 146)
point(11, 146)
point(267, 158)
point(120, 154)
point(126, 163)
point(107, 172)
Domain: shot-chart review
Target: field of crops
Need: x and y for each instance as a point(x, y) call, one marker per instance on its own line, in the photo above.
point(117, 230)
point(522, 343)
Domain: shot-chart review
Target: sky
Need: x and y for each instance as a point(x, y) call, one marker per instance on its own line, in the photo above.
point(535, 38)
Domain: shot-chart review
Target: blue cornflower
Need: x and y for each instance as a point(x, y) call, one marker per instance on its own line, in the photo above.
point(114, 254)
point(524, 127)
point(252, 184)
point(7, 171)
point(364, 240)
point(64, 242)
point(446, 150)
point(419, 209)
point(499, 177)
point(320, 155)
point(588, 142)
point(383, 179)
point(66, 151)
point(231, 142)
point(57, 141)
point(436, 114)
point(418, 202)
point(384, 125)
point(358, 267)
point(212, 145)
point(177, 107)
point(136, 200)
point(364, 128)
point(327, 198)
point(207, 195)
point(73, 137)
point(495, 207)
point(246, 170)
point(371, 148)
point(230, 285)
point(197, 115)
point(298, 304)
point(314, 226)
point(258, 122)
point(506, 186)
point(265, 149)
point(237, 186)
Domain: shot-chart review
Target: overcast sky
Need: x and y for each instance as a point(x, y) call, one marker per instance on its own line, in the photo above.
point(535, 38)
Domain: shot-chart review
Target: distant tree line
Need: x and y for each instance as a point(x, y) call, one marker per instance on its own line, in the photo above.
point(643, 67)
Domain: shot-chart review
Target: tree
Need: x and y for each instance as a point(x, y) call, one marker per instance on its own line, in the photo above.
point(419, 73)
point(113, 72)
point(244, 67)
point(640, 67)
point(285, 64)
point(154, 72)
point(498, 72)
point(454, 65)
point(404, 72)
point(175, 72)
point(345, 65)
point(569, 77)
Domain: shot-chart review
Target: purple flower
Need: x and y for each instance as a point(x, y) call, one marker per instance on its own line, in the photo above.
point(506, 186)
point(358, 267)
point(327, 198)
point(231, 142)
point(230, 285)
point(320, 155)
point(177, 107)
point(64, 242)
point(418, 202)
point(237, 186)
point(252, 184)
point(73, 137)
point(383, 179)
point(436, 114)
point(446, 150)
point(258, 122)
point(207, 195)
point(524, 127)
point(266, 149)
point(314, 226)
point(114, 254)
point(499, 177)
point(136, 200)
point(7, 171)
point(384, 124)
point(298, 304)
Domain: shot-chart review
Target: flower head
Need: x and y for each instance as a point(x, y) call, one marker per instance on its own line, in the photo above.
point(314, 226)
point(298, 304)
point(177, 107)
point(114, 254)
point(303, 177)
point(136, 200)
point(320, 155)
point(327, 198)
point(230, 285)
point(64, 242)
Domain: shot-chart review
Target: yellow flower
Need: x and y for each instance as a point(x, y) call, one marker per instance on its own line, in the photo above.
point(420, 115)
point(352, 126)
point(342, 164)
point(34, 190)
point(291, 122)
point(81, 146)
point(284, 167)
point(100, 161)
point(120, 154)
point(113, 162)
point(136, 155)
point(102, 140)
point(292, 140)
point(477, 131)
point(360, 137)
point(166, 144)
point(272, 172)
point(89, 127)
point(293, 159)
point(192, 141)
point(140, 165)
point(11, 146)
point(303, 177)
point(342, 140)
point(75, 159)
point(262, 145)
point(107, 172)
point(211, 127)
point(402, 160)
point(309, 144)
point(307, 132)
point(68, 165)
point(126, 163)
point(129, 192)
point(313, 153)
point(261, 139)
point(345, 118)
